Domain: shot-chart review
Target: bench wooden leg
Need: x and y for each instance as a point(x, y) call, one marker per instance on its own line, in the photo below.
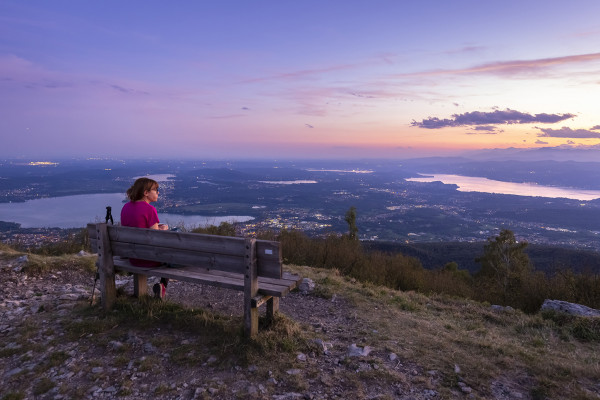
point(107, 289)
point(250, 319)
point(250, 289)
point(106, 268)
point(272, 307)
point(140, 285)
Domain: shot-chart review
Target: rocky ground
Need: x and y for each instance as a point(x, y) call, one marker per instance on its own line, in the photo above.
point(39, 360)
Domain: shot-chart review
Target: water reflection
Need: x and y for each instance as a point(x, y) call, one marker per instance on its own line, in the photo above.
point(296, 182)
point(157, 177)
point(475, 184)
point(77, 211)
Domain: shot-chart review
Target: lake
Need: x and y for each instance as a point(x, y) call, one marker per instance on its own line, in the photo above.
point(296, 182)
point(78, 211)
point(476, 184)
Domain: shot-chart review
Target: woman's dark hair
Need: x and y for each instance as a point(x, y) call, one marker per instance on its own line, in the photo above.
point(141, 185)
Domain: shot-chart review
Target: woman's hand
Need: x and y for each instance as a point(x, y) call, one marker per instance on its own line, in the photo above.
point(162, 227)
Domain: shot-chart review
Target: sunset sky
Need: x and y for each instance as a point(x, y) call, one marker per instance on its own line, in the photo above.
point(302, 79)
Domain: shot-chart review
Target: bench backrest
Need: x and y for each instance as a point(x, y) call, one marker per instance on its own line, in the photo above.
point(223, 253)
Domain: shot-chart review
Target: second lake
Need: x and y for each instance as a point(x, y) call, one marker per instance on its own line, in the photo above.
point(476, 184)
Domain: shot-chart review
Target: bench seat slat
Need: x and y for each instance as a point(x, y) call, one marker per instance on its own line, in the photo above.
point(286, 280)
point(186, 276)
point(289, 282)
point(266, 286)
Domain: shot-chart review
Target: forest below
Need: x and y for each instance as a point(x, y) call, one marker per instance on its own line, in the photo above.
point(546, 258)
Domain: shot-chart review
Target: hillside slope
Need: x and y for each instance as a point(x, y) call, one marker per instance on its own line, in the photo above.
point(54, 345)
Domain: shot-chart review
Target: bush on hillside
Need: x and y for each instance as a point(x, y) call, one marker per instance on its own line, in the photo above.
point(224, 229)
point(513, 284)
point(347, 256)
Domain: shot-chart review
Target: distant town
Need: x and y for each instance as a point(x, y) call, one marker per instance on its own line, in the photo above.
point(313, 196)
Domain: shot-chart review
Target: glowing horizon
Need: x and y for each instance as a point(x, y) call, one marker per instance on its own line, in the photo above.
point(341, 79)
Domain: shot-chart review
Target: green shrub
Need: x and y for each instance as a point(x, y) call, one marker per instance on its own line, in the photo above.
point(224, 229)
point(586, 329)
point(581, 328)
point(13, 396)
point(43, 386)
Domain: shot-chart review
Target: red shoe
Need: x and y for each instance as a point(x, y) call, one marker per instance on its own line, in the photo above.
point(160, 291)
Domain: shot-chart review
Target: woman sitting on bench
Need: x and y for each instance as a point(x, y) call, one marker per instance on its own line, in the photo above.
point(139, 213)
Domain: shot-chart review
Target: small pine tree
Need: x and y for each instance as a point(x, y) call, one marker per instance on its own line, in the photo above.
point(350, 218)
point(504, 265)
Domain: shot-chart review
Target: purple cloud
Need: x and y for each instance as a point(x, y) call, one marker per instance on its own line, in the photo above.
point(466, 49)
point(228, 116)
point(362, 95)
point(566, 132)
point(507, 116)
point(540, 142)
point(595, 128)
point(513, 67)
point(126, 90)
point(486, 129)
point(301, 74)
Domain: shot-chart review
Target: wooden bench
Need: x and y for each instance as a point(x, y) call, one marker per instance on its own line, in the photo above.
point(249, 265)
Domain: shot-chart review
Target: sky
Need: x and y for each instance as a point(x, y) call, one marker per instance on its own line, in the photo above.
point(296, 79)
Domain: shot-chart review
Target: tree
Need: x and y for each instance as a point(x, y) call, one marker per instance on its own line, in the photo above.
point(504, 264)
point(451, 266)
point(350, 218)
point(224, 229)
point(452, 269)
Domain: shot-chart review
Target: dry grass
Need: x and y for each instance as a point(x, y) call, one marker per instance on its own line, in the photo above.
point(37, 264)
point(40, 264)
point(448, 335)
point(440, 333)
point(8, 253)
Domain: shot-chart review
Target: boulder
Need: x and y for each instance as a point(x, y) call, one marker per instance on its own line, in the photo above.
point(307, 285)
point(570, 308)
point(356, 351)
point(498, 308)
point(22, 259)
